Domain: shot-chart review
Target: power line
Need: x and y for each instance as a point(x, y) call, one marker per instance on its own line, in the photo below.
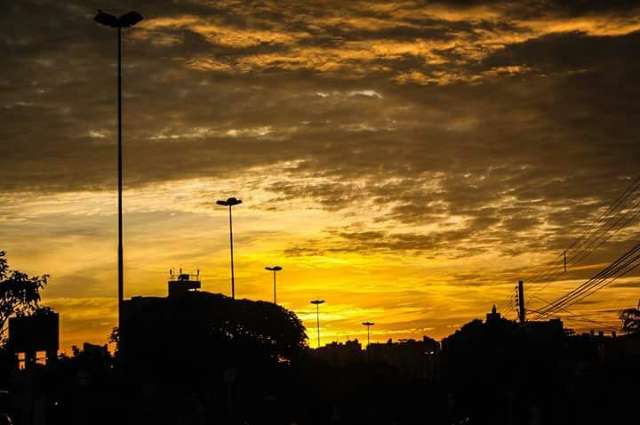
point(624, 209)
point(611, 221)
point(620, 267)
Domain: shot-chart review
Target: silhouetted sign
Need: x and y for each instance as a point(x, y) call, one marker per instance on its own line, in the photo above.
point(34, 333)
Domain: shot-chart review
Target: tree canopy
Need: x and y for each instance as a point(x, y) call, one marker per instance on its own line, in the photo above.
point(225, 332)
point(19, 294)
point(630, 320)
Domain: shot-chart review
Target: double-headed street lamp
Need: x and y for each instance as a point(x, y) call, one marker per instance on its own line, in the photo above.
point(230, 202)
point(368, 325)
point(124, 21)
point(274, 269)
point(317, 303)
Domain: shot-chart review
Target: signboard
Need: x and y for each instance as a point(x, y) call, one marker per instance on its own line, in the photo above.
point(38, 332)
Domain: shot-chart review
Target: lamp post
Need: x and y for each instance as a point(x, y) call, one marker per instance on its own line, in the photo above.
point(124, 21)
point(368, 325)
point(230, 202)
point(317, 303)
point(274, 269)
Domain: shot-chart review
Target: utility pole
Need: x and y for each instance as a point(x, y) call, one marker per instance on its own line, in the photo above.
point(521, 312)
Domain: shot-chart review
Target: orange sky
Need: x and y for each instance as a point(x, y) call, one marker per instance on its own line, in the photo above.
point(406, 162)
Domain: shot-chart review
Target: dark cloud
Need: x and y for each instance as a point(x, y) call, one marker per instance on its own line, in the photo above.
point(497, 123)
point(529, 8)
point(573, 52)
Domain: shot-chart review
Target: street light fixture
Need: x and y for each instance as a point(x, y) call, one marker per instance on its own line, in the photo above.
point(124, 21)
point(127, 20)
point(274, 269)
point(368, 325)
point(317, 303)
point(230, 202)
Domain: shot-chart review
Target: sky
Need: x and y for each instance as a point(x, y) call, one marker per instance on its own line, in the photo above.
point(406, 161)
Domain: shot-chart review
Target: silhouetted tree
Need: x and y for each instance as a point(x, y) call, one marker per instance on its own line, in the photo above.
point(206, 348)
point(630, 320)
point(198, 321)
point(19, 294)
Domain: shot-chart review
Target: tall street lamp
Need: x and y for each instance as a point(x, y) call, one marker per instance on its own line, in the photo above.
point(124, 21)
point(230, 202)
point(317, 303)
point(368, 325)
point(274, 269)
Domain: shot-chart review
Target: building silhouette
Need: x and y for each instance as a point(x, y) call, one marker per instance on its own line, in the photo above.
point(417, 359)
point(33, 334)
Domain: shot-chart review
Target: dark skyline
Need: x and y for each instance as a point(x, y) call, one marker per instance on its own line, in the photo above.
point(407, 161)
